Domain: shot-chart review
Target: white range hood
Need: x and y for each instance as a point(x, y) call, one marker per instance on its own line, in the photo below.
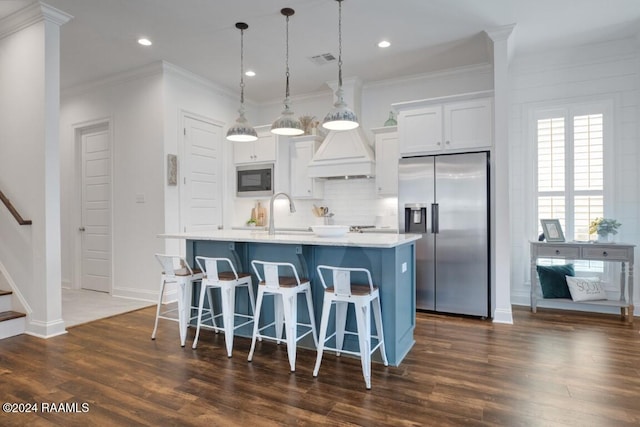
point(343, 154)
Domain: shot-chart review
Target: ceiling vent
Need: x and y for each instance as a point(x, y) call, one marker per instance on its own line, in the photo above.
point(323, 59)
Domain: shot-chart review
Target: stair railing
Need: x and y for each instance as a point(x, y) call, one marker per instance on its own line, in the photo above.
point(13, 210)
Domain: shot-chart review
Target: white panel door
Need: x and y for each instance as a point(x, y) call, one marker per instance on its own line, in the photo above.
point(201, 193)
point(96, 210)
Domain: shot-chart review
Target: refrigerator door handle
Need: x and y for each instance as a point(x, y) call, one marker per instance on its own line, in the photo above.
point(435, 218)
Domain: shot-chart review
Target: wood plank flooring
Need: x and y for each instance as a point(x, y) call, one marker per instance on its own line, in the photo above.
point(553, 368)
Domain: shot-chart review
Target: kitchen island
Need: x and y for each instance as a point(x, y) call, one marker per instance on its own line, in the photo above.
point(389, 257)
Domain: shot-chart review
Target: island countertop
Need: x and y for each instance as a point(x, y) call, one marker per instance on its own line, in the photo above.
point(370, 240)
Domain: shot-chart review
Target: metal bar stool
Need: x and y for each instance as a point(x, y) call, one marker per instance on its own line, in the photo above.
point(227, 282)
point(365, 298)
point(285, 290)
point(175, 269)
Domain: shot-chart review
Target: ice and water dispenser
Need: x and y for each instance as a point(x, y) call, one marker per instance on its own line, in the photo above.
point(415, 218)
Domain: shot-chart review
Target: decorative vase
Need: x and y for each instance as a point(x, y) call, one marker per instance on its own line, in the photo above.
point(605, 238)
point(391, 121)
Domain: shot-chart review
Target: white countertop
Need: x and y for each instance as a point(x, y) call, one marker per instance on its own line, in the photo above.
point(371, 240)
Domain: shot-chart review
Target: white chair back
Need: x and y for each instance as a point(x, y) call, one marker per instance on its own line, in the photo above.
point(272, 272)
point(341, 278)
point(170, 263)
point(210, 267)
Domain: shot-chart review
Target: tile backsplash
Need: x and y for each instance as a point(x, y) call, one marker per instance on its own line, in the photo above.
point(353, 202)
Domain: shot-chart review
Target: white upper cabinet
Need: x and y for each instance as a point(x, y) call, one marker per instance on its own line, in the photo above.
point(302, 150)
point(453, 124)
point(386, 141)
point(421, 130)
point(261, 151)
point(468, 124)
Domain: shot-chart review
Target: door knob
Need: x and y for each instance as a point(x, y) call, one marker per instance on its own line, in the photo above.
point(81, 228)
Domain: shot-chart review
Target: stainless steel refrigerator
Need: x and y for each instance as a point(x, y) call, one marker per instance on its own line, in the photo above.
point(446, 199)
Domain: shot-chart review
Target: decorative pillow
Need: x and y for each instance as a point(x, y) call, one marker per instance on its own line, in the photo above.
point(586, 288)
point(553, 281)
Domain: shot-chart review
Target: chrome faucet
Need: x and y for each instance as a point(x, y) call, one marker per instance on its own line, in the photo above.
point(292, 209)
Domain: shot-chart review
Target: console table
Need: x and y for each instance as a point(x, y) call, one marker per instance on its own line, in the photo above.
point(611, 252)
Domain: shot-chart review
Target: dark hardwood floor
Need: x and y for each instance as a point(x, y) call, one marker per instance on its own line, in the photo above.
point(552, 368)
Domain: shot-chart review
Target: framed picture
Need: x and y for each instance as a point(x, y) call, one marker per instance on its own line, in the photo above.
point(172, 169)
point(552, 230)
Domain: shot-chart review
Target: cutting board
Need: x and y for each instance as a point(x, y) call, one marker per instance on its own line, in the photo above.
point(261, 215)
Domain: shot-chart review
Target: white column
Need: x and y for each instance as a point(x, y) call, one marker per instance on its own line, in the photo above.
point(501, 220)
point(31, 37)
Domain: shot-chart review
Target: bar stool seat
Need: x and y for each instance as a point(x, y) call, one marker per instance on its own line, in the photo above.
point(365, 298)
point(227, 282)
point(175, 269)
point(285, 290)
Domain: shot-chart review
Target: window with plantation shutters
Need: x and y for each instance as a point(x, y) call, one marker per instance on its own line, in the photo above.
point(570, 172)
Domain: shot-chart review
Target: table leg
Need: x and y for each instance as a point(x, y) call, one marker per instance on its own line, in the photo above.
point(630, 291)
point(534, 283)
point(624, 311)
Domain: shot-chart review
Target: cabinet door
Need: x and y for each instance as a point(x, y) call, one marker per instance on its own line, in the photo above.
point(265, 148)
point(468, 124)
point(387, 164)
point(420, 130)
point(243, 152)
point(303, 187)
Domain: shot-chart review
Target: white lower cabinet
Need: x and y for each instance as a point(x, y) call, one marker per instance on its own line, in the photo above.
point(302, 150)
point(386, 142)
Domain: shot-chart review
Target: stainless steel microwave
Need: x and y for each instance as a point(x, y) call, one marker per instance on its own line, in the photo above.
point(254, 180)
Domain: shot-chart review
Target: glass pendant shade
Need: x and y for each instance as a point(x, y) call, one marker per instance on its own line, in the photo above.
point(287, 124)
point(340, 117)
point(241, 131)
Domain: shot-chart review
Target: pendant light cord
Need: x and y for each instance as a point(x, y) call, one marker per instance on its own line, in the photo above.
point(241, 68)
point(340, 43)
point(287, 59)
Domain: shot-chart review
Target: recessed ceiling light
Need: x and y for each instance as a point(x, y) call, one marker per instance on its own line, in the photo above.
point(384, 43)
point(144, 42)
point(250, 73)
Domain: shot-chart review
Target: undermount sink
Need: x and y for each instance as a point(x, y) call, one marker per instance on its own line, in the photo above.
point(288, 232)
point(330, 230)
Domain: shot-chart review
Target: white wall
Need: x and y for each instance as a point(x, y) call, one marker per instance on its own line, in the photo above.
point(606, 71)
point(21, 133)
point(133, 103)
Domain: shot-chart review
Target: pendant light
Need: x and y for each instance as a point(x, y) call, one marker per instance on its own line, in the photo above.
point(340, 117)
point(287, 124)
point(241, 131)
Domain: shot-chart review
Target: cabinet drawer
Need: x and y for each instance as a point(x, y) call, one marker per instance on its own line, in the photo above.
point(617, 254)
point(558, 252)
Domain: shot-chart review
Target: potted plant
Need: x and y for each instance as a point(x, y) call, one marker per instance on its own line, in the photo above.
point(604, 227)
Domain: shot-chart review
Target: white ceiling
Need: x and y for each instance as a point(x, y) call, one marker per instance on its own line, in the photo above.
point(426, 35)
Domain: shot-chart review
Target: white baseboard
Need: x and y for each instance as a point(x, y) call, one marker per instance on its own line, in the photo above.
point(140, 294)
point(45, 329)
point(503, 316)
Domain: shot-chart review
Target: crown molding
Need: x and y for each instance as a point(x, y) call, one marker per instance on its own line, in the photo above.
point(32, 14)
point(148, 70)
point(447, 73)
point(197, 79)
